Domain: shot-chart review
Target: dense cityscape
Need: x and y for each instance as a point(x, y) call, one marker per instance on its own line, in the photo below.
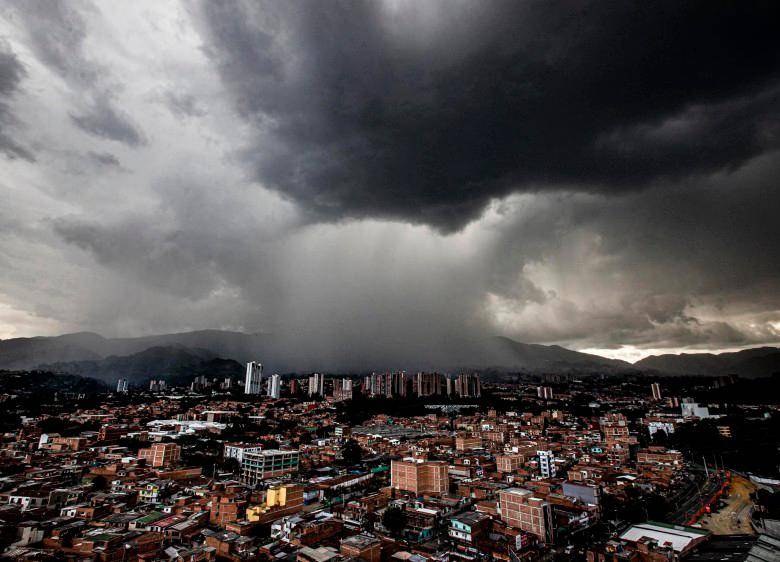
point(389, 466)
point(389, 281)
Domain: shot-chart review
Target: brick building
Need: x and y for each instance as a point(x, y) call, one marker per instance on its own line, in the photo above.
point(520, 509)
point(419, 477)
point(161, 454)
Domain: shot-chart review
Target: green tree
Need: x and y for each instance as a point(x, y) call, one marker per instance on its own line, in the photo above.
point(351, 452)
point(394, 520)
point(99, 483)
point(231, 464)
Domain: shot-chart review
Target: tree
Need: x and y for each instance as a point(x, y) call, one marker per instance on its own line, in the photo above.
point(351, 452)
point(99, 483)
point(394, 520)
point(660, 437)
point(231, 464)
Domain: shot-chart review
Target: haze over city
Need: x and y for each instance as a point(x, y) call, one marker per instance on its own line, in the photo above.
point(392, 175)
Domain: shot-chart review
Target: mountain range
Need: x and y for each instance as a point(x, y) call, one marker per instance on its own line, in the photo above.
point(217, 353)
point(754, 362)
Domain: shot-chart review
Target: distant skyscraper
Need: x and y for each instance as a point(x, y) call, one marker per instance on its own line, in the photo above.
point(467, 385)
point(342, 389)
point(275, 386)
point(544, 392)
point(655, 388)
point(254, 378)
point(121, 385)
point(317, 385)
point(430, 384)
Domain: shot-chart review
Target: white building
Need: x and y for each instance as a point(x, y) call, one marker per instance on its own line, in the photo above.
point(546, 463)
point(121, 385)
point(544, 392)
point(654, 426)
point(692, 409)
point(237, 450)
point(274, 386)
point(270, 463)
point(254, 378)
point(316, 385)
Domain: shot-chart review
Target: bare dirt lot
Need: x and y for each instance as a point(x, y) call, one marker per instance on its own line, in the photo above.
point(735, 517)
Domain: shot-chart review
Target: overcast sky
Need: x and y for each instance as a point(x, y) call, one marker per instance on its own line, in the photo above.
point(603, 176)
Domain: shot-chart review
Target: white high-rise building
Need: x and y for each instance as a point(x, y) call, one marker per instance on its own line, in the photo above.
point(655, 388)
point(546, 463)
point(121, 385)
point(316, 385)
point(254, 378)
point(274, 386)
point(544, 392)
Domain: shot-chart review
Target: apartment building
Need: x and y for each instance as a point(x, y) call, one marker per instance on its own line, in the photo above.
point(544, 392)
point(468, 385)
point(430, 384)
point(419, 477)
point(509, 463)
point(259, 465)
point(363, 547)
point(659, 455)
point(519, 508)
point(237, 450)
point(279, 500)
point(161, 454)
point(467, 443)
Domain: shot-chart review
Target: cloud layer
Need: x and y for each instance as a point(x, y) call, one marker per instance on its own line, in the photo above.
point(427, 111)
point(392, 177)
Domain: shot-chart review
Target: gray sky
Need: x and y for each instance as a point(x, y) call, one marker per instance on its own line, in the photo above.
point(397, 171)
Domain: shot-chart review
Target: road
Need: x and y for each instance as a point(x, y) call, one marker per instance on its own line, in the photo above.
point(735, 517)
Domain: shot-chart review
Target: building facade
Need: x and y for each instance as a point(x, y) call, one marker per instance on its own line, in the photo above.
point(519, 509)
point(253, 382)
point(275, 386)
point(259, 465)
point(419, 477)
point(161, 454)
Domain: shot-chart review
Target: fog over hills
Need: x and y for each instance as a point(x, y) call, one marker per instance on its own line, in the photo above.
point(177, 354)
point(93, 355)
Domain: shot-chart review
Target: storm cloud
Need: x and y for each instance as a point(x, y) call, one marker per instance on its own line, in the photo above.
point(426, 111)
point(393, 179)
point(11, 73)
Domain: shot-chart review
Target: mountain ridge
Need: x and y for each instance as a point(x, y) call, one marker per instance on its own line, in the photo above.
point(285, 355)
point(751, 362)
point(83, 352)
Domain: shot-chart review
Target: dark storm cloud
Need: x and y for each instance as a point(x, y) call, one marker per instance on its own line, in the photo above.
point(426, 111)
point(11, 74)
point(654, 268)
